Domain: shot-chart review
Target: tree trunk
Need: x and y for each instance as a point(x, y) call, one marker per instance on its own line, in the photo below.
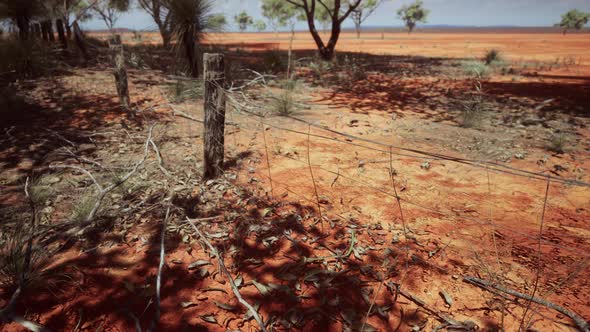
point(80, 41)
point(68, 27)
point(213, 139)
point(23, 27)
point(61, 33)
point(166, 37)
point(118, 58)
point(189, 49)
point(44, 31)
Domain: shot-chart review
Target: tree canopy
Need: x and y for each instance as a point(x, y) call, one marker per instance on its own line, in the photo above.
point(573, 20)
point(412, 14)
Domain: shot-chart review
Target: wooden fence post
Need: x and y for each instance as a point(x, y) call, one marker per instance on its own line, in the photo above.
point(213, 138)
point(116, 47)
point(61, 33)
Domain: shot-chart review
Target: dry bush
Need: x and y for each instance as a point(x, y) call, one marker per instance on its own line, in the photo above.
point(492, 56)
point(557, 143)
point(184, 89)
point(283, 102)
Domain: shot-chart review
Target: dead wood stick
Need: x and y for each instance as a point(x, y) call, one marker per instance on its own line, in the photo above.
point(581, 323)
point(7, 315)
point(232, 283)
point(419, 302)
point(103, 191)
point(156, 319)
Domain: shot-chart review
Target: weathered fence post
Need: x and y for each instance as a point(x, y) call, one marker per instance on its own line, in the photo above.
point(116, 47)
point(213, 139)
point(50, 31)
point(61, 33)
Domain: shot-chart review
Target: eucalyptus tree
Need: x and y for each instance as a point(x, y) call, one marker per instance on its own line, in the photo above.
point(412, 14)
point(362, 12)
point(21, 13)
point(337, 11)
point(110, 10)
point(573, 20)
point(161, 15)
point(243, 20)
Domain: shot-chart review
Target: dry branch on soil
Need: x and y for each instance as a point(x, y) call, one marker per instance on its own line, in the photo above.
point(232, 283)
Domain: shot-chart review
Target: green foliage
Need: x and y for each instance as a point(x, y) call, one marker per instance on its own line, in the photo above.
point(476, 69)
point(259, 25)
point(243, 20)
point(573, 20)
point(18, 264)
point(412, 14)
point(280, 13)
point(217, 22)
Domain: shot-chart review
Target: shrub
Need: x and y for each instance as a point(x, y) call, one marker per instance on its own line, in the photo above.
point(283, 103)
point(354, 68)
point(472, 111)
point(319, 69)
point(185, 89)
point(476, 69)
point(492, 56)
point(557, 143)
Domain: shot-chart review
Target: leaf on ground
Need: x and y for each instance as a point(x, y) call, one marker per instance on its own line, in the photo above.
point(262, 288)
point(187, 304)
point(249, 315)
point(199, 263)
point(447, 297)
point(209, 318)
point(266, 211)
point(239, 281)
point(225, 306)
point(213, 289)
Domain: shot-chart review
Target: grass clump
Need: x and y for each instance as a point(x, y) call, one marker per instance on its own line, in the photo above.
point(472, 111)
point(557, 143)
point(283, 102)
point(185, 89)
point(476, 69)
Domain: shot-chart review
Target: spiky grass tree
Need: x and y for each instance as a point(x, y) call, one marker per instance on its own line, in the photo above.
point(190, 20)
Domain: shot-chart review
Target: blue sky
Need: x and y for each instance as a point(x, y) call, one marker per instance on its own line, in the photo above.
point(452, 12)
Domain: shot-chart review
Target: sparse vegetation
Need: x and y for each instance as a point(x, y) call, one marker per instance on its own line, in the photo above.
point(557, 143)
point(492, 56)
point(283, 102)
point(476, 69)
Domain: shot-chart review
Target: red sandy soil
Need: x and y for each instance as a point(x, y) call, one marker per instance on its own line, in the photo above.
point(463, 220)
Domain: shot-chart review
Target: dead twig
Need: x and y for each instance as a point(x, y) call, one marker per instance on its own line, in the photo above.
point(229, 277)
point(156, 319)
point(581, 323)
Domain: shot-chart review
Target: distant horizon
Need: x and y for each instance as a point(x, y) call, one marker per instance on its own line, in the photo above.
point(462, 13)
point(383, 27)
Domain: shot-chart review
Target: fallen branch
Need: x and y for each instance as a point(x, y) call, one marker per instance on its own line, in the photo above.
point(102, 191)
point(448, 321)
point(232, 283)
point(7, 315)
point(581, 323)
point(156, 319)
